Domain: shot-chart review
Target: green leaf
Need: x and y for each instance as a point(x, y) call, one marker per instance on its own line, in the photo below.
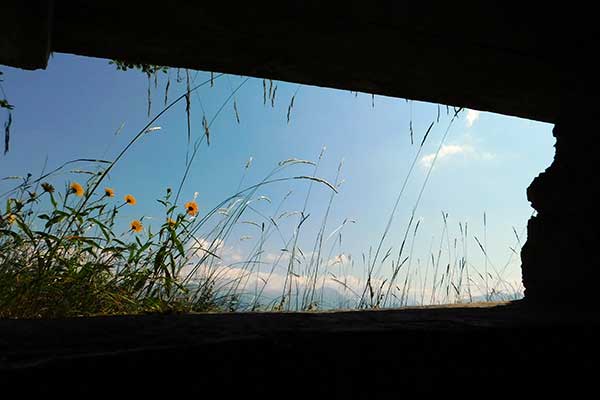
point(56, 218)
point(14, 235)
point(53, 200)
point(122, 243)
point(25, 228)
point(48, 238)
point(179, 246)
point(105, 230)
point(5, 104)
point(143, 248)
point(159, 258)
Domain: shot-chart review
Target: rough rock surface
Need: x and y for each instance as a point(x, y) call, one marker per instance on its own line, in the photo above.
point(559, 260)
point(490, 56)
point(447, 350)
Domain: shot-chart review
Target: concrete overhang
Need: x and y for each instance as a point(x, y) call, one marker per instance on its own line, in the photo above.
point(485, 55)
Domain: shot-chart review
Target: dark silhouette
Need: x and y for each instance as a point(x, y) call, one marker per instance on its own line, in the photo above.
point(522, 61)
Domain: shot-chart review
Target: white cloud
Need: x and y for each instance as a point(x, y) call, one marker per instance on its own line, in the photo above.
point(446, 151)
point(465, 150)
point(152, 129)
point(200, 247)
point(340, 259)
point(275, 257)
point(472, 116)
point(486, 155)
point(248, 279)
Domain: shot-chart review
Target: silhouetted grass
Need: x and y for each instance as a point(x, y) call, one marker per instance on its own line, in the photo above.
point(63, 252)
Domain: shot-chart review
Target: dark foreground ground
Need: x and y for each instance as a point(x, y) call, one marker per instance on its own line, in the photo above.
point(479, 350)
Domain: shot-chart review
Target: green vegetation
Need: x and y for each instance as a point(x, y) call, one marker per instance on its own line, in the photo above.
point(8, 107)
point(64, 253)
point(73, 260)
point(145, 68)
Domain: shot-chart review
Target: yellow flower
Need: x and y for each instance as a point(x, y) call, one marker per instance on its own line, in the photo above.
point(129, 199)
point(47, 187)
point(11, 218)
point(171, 222)
point(109, 192)
point(136, 226)
point(77, 189)
point(191, 207)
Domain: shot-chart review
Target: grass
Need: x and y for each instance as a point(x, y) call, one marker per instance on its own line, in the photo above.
point(63, 253)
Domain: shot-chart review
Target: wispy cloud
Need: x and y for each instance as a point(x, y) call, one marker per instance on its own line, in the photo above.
point(467, 151)
point(248, 280)
point(486, 156)
point(446, 151)
point(472, 116)
point(340, 259)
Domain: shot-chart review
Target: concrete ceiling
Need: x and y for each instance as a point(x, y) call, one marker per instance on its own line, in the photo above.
point(520, 61)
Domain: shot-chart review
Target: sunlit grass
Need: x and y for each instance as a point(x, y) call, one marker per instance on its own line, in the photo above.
point(66, 251)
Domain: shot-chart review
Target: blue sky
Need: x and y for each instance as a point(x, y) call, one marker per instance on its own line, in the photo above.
point(73, 109)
